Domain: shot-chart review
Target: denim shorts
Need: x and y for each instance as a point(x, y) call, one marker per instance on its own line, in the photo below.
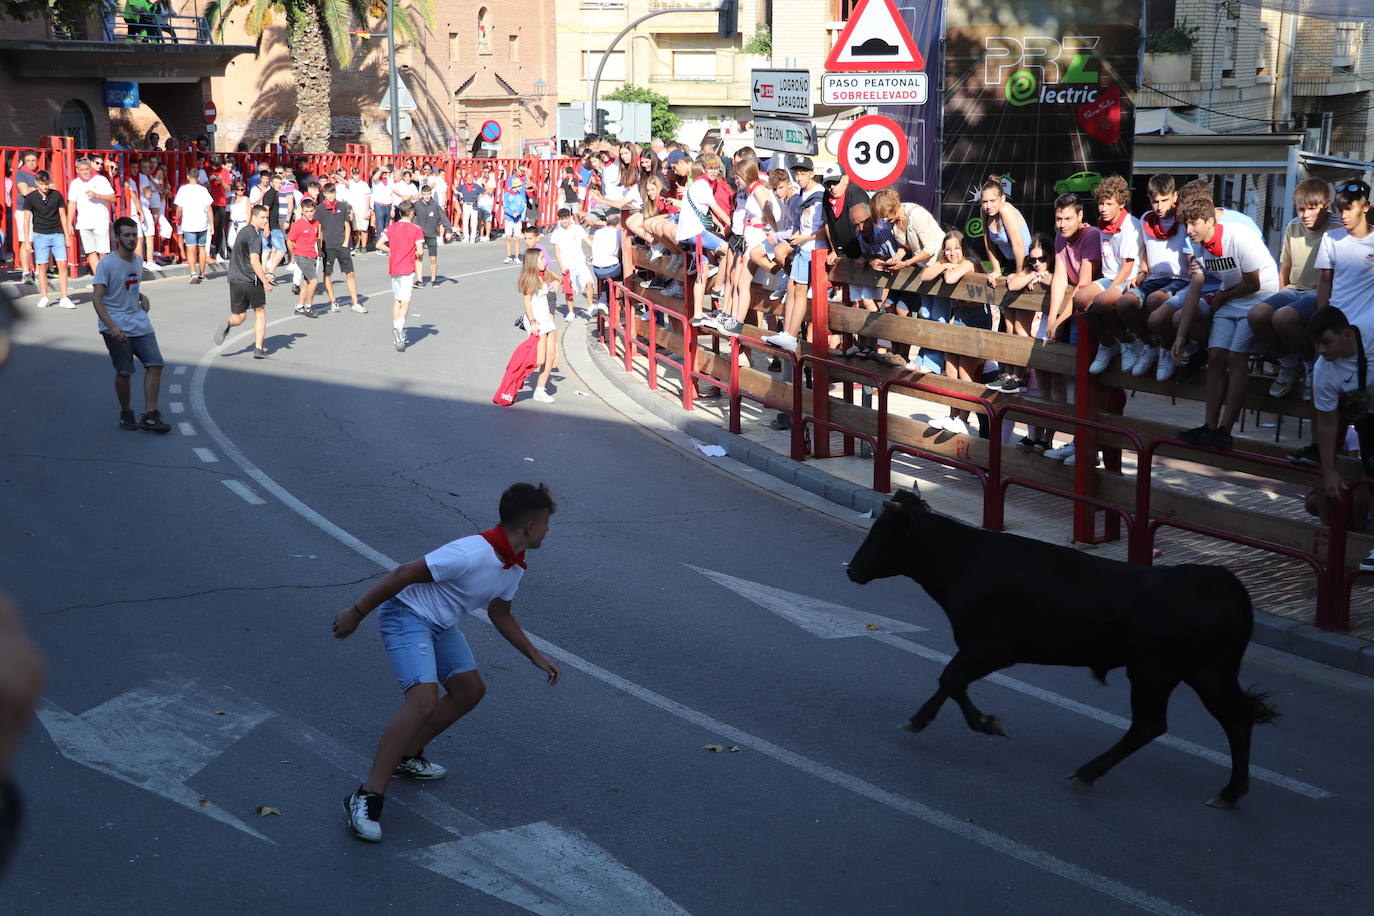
point(277, 240)
point(1152, 285)
point(196, 238)
point(801, 267)
point(709, 242)
point(122, 352)
point(49, 245)
point(1302, 301)
point(1231, 329)
point(420, 652)
point(1204, 301)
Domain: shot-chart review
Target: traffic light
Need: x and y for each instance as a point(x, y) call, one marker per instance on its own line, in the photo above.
point(599, 126)
point(727, 23)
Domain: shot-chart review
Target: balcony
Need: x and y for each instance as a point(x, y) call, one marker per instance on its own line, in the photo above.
point(703, 90)
point(147, 46)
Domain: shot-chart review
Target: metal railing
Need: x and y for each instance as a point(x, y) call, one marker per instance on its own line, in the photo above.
point(137, 27)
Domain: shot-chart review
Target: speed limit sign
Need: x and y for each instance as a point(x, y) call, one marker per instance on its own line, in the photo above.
point(873, 152)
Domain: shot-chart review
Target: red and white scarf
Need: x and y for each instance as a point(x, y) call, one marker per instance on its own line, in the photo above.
point(1214, 246)
point(500, 542)
point(1154, 224)
point(1112, 228)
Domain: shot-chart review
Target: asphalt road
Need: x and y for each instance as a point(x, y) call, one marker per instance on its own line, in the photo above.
point(182, 587)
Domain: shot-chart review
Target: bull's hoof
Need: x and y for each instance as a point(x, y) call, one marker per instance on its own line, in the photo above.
point(991, 725)
point(1224, 804)
point(1078, 782)
point(911, 725)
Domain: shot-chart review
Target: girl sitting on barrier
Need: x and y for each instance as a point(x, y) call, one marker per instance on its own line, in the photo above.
point(700, 220)
point(953, 264)
point(660, 212)
point(1034, 273)
point(757, 212)
point(535, 283)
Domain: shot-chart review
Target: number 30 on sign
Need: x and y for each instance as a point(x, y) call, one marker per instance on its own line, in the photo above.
point(873, 152)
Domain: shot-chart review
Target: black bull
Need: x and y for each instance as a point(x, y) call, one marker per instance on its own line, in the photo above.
point(1011, 599)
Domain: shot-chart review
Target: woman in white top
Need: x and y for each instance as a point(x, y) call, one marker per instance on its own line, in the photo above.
point(952, 265)
point(535, 284)
point(239, 210)
point(756, 223)
point(700, 220)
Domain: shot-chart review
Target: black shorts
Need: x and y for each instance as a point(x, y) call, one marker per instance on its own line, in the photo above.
point(245, 296)
point(342, 255)
point(432, 245)
point(737, 244)
point(310, 267)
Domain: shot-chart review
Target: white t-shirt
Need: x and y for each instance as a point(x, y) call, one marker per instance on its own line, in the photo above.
point(467, 576)
point(381, 194)
point(1242, 251)
point(810, 215)
point(610, 176)
point(568, 243)
point(194, 201)
point(357, 194)
point(1168, 257)
point(90, 214)
point(1331, 378)
point(404, 190)
point(606, 247)
point(121, 280)
point(688, 223)
point(1121, 246)
point(436, 181)
point(634, 199)
point(1351, 262)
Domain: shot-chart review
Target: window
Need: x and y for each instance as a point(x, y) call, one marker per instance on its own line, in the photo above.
point(483, 32)
point(452, 48)
point(841, 10)
point(615, 65)
point(603, 4)
point(1262, 51)
point(1230, 35)
point(1343, 46)
point(513, 48)
point(694, 65)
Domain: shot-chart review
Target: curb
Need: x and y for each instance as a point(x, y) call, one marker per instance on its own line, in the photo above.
point(84, 282)
point(1294, 637)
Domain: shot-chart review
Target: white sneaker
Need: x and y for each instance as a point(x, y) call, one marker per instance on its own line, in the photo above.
point(43, 303)
point(1103, 359)
point(1287, 378)
point(939, 423)
point(65, 303)
point(783, 341)
point(570, 316)
point(1148, 357)
point(958, 425)
point(674, 290)
point(1073, 459)
point(364, 813)
point(543, 396)
point(1166, 366)
point(419, 768)
point(154, 266)
point(1367, 564)
point(1131, 351)
point(1062, 453)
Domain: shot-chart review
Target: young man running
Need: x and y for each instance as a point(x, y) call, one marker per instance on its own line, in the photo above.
point(122, 316)
point(335, 217)
point(421, 604)
point(249, 282)
point(303, 242)
point(401, 243)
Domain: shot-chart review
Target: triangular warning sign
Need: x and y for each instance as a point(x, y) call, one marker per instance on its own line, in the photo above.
point(875, 38)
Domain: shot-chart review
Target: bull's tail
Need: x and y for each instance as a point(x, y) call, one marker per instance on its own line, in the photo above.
point(1261, 712)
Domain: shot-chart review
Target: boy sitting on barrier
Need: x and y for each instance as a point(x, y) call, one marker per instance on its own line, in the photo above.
point(877, 243)
point(1162, 273)
point(1245, 274)
point(1279, 322)
point(1120, 255)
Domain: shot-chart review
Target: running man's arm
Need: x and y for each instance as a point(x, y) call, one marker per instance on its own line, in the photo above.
point(506, 624)
point(256, 259)
point(387, 587)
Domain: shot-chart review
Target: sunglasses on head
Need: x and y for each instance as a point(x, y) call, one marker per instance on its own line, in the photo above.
point(1353, 187)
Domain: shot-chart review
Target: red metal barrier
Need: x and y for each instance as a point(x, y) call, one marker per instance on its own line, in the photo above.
point(794, 411)
point(1342, 581)
point(622, 319)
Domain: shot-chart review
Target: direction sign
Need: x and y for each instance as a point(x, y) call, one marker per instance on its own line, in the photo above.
point(873, 152)
point(875, 38)
point(785, 136)
point(782, 92)
point(210, 112)
point(874, 88)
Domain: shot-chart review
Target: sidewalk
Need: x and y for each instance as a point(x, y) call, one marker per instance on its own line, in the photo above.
point(1284, 589)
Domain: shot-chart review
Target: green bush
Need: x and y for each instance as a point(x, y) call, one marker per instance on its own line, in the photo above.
point(1173, 40)
point(663, 123)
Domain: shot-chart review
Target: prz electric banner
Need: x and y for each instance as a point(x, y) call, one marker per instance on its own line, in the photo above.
point(920, 180)
point(1041, 100)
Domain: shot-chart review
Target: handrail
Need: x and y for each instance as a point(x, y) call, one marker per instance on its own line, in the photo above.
point(992, 519)
point(794, 410)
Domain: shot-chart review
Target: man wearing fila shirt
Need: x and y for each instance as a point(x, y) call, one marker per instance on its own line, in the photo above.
point(1345, 260)
point(1245, 274)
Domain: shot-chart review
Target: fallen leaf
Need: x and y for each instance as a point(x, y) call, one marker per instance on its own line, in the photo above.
point(529, 459)
point(219, 712)
point(872, 626)
point(203, 802)
point(286, 761)
point(734, 748)
point(714, 748)
point(264, 810)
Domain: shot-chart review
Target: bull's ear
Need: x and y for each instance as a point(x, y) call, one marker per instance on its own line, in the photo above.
point(893, 506)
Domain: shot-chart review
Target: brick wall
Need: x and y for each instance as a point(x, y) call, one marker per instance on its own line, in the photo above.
point(29, 108)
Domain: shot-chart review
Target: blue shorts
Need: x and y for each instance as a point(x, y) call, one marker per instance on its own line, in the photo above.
point(709, 242)
point(420, 652)
point(123, 352)
point(196, 238)
point(801, 267)
point(1302, 301)
point(49, 245)
point(935, 308)
point(277, 240)
point(1152, 285)
point(1204, 300)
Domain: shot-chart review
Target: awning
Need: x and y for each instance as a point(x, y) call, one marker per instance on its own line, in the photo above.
point(1165, 121)
point(1183, 154)
point(1333, 168)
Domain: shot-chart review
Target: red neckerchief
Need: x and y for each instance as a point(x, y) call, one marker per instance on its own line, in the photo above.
point(500, 542)
point(331, 205)
point(1214, 246)
point(1107, 228)
point(837, 205)
point(1154, 224)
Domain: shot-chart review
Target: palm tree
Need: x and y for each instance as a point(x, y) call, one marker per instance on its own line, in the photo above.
point(315, 31)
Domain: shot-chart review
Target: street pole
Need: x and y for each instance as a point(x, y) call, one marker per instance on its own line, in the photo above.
point(392, 79)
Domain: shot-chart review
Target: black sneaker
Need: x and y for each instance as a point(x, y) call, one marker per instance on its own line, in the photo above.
point(1198, 435)
point(295, 289)
point(220, 334)
point(126, 420)
point(781, 421)
point(1306, 457)
point(152, 422)
point(1219, 439)
point(1011, 383)
point(306, 310)
point(259, 353)
point(363, 811)
point(419, 284)
point(1191, 366)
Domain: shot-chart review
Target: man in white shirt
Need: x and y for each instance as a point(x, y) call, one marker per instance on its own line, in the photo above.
point(358, 193)
point(405, 189)
point(436, 181)
point(89, 197)
point(1345, 259)
point(193, 203)
point(606, 263)
point(421, 604)
point(1121, 240)
point(567, 239)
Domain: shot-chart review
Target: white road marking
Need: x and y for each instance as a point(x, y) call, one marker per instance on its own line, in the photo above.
point(178, 407)
point(157, 739)
point(187, 429)
point(243, 490)
point(828, 621)
point(174, 389)
point(1101, 883)
point(179, 370)
point(204, 454)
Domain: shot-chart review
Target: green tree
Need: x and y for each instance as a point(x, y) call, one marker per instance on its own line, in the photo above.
point(663, 123)
point(315, 30)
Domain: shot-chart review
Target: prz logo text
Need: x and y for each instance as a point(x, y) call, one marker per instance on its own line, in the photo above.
point(1042, 69)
